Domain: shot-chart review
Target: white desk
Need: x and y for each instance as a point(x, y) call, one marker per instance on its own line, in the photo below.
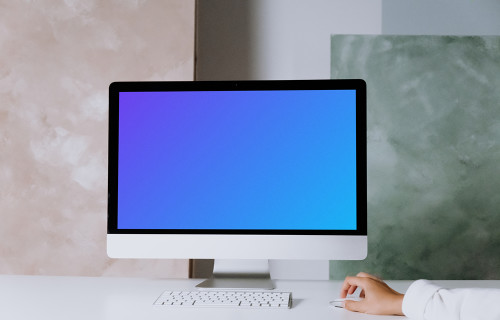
point(44, 297)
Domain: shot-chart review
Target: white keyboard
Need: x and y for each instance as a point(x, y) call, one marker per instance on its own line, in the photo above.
point(221, 298)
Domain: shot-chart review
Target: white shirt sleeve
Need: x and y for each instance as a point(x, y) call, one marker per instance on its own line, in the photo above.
point(427, 301)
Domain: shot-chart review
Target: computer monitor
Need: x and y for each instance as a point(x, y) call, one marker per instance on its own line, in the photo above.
point(237, 170)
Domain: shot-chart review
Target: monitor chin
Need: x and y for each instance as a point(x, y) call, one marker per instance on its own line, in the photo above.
point(196, 246)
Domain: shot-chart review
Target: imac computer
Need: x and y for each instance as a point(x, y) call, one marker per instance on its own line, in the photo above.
point(238, 170)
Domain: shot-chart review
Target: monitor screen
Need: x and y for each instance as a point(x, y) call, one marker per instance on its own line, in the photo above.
point(238, 157)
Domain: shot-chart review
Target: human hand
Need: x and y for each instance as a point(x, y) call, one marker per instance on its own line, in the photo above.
point(379, 298)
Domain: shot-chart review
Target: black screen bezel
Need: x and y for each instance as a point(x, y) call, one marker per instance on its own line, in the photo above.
point(331, 84)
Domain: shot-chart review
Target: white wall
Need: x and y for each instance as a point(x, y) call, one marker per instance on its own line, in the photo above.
point(278, 39)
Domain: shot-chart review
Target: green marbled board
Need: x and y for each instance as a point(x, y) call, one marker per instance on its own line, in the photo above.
point(433, 154)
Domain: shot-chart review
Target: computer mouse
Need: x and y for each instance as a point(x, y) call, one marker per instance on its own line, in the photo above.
point(339, 303)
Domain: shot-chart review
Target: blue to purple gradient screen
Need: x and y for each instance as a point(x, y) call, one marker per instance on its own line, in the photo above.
point(252, 160)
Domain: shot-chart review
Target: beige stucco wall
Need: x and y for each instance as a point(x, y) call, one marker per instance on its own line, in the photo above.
point(57, 59)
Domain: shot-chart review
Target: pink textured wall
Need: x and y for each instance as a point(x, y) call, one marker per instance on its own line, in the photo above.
point(57, 59)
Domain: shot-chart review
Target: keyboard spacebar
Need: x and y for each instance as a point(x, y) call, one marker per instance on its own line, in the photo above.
point(216, 304)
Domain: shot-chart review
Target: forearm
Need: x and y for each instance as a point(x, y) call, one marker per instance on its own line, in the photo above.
point(426, 301)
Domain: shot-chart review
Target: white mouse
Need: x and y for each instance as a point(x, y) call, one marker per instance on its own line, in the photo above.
point(339, 303)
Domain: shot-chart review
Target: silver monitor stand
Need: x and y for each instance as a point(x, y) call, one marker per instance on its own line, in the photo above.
point(239, 275)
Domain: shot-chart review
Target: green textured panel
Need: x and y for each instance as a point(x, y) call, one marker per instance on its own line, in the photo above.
point(433, 154)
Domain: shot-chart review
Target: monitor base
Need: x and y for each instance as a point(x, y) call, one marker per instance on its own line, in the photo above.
point(236, 284)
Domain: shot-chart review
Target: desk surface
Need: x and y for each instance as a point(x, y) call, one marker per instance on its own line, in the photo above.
point(45, 297)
